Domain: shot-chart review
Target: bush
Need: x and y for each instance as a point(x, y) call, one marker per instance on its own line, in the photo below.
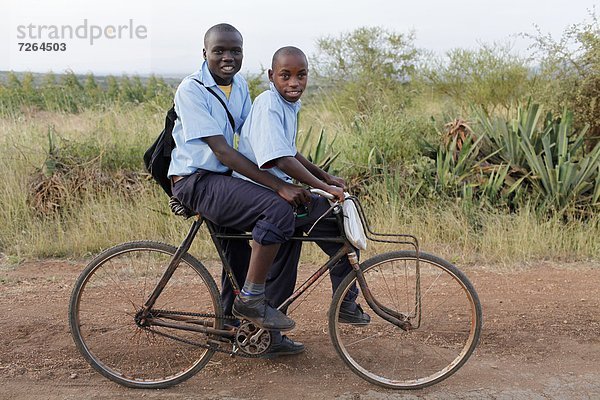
point(523, 160)
point(363, 66)
point(75, 171)
point(491, 77)
point(570, 72)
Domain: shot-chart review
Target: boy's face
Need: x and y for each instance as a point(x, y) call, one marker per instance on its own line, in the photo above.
point(223, 53)
point(290, 76)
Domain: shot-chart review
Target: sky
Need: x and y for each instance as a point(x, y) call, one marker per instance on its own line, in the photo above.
point(165, 38)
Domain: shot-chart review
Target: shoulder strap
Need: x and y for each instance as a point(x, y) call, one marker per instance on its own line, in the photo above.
point(231, 121)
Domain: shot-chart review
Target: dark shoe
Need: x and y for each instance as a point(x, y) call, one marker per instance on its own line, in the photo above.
point(355, 317)
point(287, 347)
point(257, 310)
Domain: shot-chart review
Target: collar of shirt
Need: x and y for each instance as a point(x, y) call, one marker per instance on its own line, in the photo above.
point(205, 77)
point(201, 115)
point(295, 106)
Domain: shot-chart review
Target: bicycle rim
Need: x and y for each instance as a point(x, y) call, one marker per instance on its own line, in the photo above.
point(109, 294)
point(450, 322)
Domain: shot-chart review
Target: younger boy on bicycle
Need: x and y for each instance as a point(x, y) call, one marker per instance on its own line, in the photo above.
point(268, 139)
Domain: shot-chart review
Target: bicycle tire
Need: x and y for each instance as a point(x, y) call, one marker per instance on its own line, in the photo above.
point(112, 289)
point(450, 324)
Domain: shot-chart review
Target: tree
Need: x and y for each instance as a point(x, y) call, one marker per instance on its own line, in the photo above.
point(367, 68)
point(91, 89)
point(489, 77)
point(113, 88)
point(371, 53)
point(570, 70)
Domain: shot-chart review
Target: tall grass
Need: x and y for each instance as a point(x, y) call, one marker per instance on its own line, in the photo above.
point(104, 217)
point(464, 233)
point(101, 217)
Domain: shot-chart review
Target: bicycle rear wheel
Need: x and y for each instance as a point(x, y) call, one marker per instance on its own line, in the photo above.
point(112, 290)
point(450, 321)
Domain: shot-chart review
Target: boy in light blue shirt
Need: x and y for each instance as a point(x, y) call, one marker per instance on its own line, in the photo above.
point(271, 113)
point(268, 138)
point(200, 115)
point(202, 162)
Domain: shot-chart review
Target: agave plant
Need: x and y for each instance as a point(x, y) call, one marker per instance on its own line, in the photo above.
point(505, 137)
point(460, 130)
point(544, 154)
point(529, 156)
point(322, 154)
point(559, 172)
point(455, 166)
point(596, 192)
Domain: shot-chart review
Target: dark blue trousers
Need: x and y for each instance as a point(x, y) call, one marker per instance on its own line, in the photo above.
point(281, 279)
point(236, 206)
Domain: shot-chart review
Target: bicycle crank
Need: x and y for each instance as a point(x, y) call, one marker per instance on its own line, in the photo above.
point(251, 339)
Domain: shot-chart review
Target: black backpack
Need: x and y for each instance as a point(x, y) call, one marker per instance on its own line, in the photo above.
point(158, 156)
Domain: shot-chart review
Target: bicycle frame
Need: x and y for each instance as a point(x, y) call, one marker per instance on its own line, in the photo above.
point(405, 322)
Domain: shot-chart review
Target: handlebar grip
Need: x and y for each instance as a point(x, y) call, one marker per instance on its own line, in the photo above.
point(322, 193)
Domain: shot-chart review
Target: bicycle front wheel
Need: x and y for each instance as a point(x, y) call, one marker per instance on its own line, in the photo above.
point(435, 297)
point(109, 294)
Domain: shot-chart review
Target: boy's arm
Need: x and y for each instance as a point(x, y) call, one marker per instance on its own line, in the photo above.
point(319, 173)
point(230, 157)
point(294, 168)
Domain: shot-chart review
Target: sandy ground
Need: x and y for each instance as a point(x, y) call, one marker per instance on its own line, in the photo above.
point(540, 340)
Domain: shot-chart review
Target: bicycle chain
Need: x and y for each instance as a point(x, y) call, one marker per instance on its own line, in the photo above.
point(240, 353)
point(191, 314)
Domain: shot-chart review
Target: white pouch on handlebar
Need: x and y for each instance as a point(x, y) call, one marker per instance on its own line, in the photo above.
point(355, 232)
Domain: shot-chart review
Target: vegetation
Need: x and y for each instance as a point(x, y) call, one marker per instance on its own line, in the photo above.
point(491, 77)
point(570, 72)
point(72, 94)
point(483, 157)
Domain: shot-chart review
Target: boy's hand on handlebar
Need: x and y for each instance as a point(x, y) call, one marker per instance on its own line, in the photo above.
point(295, 195)
point(338, 192)
point(335, 181)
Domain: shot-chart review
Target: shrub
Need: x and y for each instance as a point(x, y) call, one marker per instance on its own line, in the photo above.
point(527, 159)
point(363, 66)
point(491, 76)
point(570, 72)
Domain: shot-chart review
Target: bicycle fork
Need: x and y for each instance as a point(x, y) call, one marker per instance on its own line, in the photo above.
point(394, 317)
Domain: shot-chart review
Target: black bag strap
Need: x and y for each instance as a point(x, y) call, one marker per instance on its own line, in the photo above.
point(229, 116)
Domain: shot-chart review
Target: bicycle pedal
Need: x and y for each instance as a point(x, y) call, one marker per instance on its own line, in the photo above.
point(235, 349)
point(214, 342)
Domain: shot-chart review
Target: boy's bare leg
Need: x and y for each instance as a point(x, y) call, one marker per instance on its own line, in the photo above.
point(251, 303)
point(261, 259)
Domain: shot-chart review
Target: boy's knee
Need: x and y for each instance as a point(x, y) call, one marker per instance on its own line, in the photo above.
point(276, 226)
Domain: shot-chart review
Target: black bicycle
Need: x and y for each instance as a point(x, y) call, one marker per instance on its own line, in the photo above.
point(148, 315)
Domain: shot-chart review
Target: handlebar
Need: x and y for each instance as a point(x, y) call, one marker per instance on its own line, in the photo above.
point(322, 193)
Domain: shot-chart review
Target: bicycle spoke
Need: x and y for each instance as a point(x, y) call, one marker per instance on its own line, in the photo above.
point(110, 293)
point(392, 357)
point(427, 291)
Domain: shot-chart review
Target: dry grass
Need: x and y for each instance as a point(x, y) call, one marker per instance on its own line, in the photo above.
point(106, 217)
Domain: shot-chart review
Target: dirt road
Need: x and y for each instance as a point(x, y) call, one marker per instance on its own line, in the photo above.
point(541, 340)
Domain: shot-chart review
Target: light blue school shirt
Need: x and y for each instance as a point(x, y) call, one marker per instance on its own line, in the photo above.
point(270, 131)
point(201, 115)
